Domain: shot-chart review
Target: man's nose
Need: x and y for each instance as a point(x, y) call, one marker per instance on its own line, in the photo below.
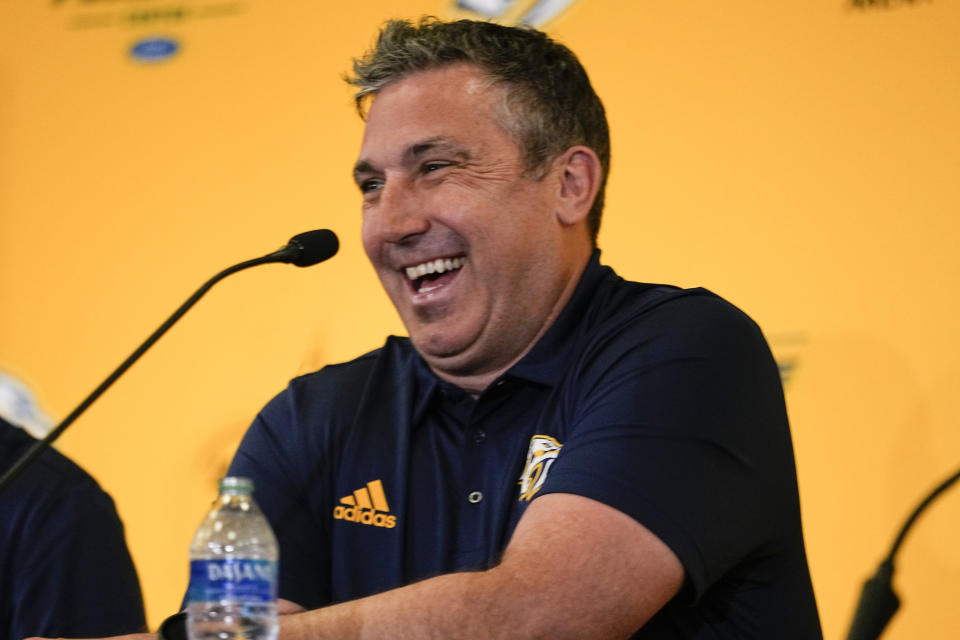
point(400, 212)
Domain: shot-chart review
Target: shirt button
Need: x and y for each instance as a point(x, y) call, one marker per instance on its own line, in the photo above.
point(479, 436)
point(474, 497)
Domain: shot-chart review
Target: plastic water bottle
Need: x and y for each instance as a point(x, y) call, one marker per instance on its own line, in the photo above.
point(233, 570)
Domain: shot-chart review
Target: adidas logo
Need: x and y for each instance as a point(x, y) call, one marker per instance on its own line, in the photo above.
point(363, 507)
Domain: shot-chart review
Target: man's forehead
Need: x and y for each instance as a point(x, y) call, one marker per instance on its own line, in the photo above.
point(463, 85)
point(435, 109)
point(471, 78)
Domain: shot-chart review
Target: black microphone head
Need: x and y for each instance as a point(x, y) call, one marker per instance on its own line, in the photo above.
point(312, 247)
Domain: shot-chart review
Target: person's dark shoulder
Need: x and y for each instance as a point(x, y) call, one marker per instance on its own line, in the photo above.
point(342, 385)
point(664, 313)
point(50, 474)
point(60, 534)
point(50, 495)
point(310, 419)
point(314, 407)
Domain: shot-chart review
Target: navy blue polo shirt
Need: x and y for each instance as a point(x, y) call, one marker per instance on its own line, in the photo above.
point(663, 403)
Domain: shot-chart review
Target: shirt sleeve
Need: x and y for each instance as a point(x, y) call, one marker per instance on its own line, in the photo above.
point(288, 486)
point(74, 575)
point(679, 421)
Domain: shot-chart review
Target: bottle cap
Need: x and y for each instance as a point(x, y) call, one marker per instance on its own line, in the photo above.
point(236, 483)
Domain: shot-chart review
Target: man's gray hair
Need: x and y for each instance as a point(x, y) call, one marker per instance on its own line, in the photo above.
point(550, 104)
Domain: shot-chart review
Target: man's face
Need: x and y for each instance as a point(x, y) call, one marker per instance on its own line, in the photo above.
point(466, 244)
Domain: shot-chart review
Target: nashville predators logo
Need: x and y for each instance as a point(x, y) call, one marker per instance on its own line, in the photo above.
point(540, 456)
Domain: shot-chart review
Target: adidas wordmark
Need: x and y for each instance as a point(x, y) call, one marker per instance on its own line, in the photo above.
point(368, 505)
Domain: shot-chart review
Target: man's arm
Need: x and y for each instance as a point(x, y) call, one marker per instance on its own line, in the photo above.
point(574, 568)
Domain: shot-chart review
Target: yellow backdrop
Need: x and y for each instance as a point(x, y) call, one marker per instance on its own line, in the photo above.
point(798, 157)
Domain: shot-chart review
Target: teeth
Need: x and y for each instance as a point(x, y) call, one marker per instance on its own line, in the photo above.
point(434, 266)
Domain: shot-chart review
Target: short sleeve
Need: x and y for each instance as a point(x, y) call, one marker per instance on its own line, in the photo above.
point(679, 421)
point(287, 483)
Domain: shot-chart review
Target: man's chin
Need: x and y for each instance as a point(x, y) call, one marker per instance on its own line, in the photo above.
point(445, 353)
point(463, 363)
point(441, 353)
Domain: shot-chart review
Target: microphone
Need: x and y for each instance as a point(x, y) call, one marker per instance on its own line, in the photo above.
point(877, 605)
point(308, 248)
point(878, 601)
point(303, 250)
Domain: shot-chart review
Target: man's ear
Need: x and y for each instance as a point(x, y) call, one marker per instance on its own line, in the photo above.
point(579, 172)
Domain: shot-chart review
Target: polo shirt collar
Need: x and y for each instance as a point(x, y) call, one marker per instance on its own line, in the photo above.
point(547, 361)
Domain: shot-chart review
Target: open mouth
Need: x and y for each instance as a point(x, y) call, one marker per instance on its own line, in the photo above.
point(433, 274)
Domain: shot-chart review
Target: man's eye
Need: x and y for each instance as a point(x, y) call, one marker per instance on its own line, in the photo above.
point(371, 185)
point(430, 167)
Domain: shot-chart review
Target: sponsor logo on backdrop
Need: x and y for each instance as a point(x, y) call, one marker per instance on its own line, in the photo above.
point(134, 14)
point(885, 4)
point(154, 49)
point(535, 14)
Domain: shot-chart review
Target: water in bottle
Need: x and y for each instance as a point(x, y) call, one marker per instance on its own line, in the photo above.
point(233, 570)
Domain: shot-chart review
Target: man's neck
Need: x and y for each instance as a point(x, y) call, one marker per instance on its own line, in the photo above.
point(475, 383)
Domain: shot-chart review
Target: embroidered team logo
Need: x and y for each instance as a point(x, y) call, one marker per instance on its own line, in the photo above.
point(540, 456)
point(367, 505)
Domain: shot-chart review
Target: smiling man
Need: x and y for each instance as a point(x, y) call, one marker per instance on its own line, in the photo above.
point(444, 182)
point(554, 451)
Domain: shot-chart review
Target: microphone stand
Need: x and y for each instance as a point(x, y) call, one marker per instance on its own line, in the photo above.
point(289, 253)
point(878, 601)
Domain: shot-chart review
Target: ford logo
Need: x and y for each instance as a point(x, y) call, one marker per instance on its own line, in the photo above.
point(154, 49)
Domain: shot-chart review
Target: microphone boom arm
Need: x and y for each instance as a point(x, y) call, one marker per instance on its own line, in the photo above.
point(289, 253)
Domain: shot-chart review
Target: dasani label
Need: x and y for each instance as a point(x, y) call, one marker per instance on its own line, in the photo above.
point(232, 579)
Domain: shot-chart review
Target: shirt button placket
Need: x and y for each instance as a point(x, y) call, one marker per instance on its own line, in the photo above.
point(473, 515)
